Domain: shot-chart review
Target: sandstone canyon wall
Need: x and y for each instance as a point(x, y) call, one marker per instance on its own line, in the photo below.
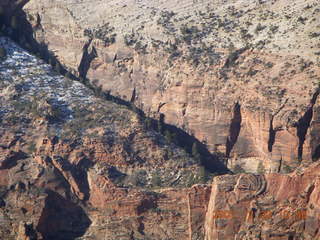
point(271, 206)
point(225, 73)
point(75, 166)
point(196, 62)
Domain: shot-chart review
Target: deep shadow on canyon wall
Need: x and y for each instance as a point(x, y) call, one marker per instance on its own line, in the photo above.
point(22, 33)
point(62, 219)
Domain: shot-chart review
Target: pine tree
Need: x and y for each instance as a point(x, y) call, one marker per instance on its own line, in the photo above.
point(195, 151)
point(160, 126)
point(156, 180)
point(57, 68)
point(14, 22)
point(202, 174)
point(68, 75)
point(261, 169)
point(3, 52)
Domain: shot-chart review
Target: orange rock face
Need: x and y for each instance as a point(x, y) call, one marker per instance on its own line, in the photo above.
point(196, 69)
point(271, 206)
point(75, 166)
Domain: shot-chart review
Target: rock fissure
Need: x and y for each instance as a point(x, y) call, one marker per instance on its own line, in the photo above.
point(133, 96)
point(272, 135)
point(234, 130)
point(304, 124)
point(87, 58)
point(273, 131)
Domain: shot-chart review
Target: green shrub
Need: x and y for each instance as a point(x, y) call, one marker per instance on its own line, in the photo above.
point(202, 175)
point(3, 52)
point(195, 152)
point(14, 22)
point(156, 180)
point(32, 147)
point(286, 168)
point(261, 168)
point(238, 169)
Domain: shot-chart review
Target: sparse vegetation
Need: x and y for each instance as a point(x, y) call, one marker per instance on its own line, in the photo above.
point(105, 33)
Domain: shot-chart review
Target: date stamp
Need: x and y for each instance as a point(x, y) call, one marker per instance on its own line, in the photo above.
point(297, 215)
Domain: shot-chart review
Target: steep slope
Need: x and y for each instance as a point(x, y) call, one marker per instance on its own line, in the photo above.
point(195, 61)
point(224, 72)
point(80, 159)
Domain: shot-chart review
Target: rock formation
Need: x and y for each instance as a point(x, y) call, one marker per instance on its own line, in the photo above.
point(74, 165)
point(271, 206)
point(80, 160)
point(195, 62)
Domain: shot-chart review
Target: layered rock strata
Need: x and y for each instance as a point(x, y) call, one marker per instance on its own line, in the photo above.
point(195, 62)
point(271, 206)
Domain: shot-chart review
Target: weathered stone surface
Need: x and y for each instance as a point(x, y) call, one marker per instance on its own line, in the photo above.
point(75, 166)
point(94, 171)
point(270, 206)
point(194, 68)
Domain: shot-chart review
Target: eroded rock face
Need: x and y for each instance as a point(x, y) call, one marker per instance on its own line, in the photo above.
point(197, 68)
point(271, 206)
point(95, 171)
point(76, 166)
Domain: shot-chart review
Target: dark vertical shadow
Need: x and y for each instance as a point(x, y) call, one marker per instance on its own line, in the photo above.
point(234, 130)
point(61, 219)
point(24, 36)
point(304, 124)
point(272, 136)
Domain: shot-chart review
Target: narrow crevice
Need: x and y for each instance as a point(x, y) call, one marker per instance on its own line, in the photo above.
point(133, 96)
point(130, 75)
point(316, 153)
point(304, 124)
point(273, 131)
point(87, 58)
point(114, 58)
point(160, 106)
point(280, 165)
point(234, 131)
point(212, 162)
point(272, 135)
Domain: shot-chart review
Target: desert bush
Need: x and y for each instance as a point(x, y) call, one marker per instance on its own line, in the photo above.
point(261, 168)
point(238, 169)
point(3, 53)
point(156, 180)
point(259, 28)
